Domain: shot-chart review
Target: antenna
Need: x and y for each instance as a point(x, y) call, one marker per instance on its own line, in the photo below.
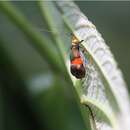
point(50, 31)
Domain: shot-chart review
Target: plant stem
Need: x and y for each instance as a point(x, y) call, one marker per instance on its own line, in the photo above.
point(37, 40)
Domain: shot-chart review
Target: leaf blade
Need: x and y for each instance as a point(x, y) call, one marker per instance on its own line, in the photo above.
point(105, 64)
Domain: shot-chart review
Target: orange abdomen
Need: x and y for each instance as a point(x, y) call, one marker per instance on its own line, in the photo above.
point(77, 61)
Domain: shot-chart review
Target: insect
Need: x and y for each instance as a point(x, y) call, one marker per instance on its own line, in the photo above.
point(77, 67)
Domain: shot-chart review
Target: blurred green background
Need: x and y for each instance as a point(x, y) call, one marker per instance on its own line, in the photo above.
point(31, 95)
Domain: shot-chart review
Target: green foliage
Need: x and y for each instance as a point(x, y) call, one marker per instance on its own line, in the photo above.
point(48, 103)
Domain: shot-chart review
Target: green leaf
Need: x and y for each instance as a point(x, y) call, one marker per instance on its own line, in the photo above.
point(103, 90)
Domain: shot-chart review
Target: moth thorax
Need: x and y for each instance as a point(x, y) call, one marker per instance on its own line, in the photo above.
point(75, 40)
